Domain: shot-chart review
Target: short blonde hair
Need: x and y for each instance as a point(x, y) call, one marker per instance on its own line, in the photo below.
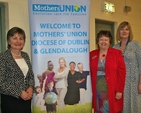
point(122, 25)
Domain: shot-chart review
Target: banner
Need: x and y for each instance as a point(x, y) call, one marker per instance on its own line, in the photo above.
point(60, 55)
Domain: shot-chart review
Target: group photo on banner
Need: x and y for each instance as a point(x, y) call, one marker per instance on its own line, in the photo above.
point(59, 31)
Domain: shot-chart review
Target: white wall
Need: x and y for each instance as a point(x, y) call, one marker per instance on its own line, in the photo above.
point(134, 17)
point(17, 15)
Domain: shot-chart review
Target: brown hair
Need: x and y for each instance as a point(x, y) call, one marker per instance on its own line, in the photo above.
point(105, 33)
point(122, 25)
point(36, 89)
point(13, 31)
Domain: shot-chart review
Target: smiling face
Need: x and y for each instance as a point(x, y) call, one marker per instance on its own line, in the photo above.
point(80, 68)
point(38, 90)
point(50, 66)
point(62, 63)
point(16, 42)
point(72, 66)
point(104, 42)
point(50, 84)
point(124, 32)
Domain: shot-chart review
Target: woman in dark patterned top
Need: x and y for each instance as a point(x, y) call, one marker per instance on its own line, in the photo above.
point(16, 75)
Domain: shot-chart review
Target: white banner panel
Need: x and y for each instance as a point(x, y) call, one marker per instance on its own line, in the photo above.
point(60, 50)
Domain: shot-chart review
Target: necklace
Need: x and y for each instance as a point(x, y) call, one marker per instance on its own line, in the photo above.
point(16, 54)
point(123, 50)
point(103, 55)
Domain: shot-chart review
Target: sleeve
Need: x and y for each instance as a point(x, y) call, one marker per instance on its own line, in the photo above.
point(121, 73)
point(5, 87)
point(31, 75)
point(92, 82)
point(80, 76)
point(138, 56)
point(88, 73)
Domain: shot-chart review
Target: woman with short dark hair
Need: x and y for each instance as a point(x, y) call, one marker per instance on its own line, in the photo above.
point(16, 75)
point(108, 75)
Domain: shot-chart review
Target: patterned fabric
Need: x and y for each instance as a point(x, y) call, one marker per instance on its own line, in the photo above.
point(102, 95)
point(101, 67)
point(101, 89)
point(132, 58)
point(12, 80)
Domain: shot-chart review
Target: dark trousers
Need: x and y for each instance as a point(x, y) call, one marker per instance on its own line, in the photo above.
point(51, 108)
point(11, 104)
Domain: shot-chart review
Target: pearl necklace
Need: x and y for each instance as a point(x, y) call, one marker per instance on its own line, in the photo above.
point(16, 54)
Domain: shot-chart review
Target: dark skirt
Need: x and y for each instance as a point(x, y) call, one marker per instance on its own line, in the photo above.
point(11, 104)
point(73, 96)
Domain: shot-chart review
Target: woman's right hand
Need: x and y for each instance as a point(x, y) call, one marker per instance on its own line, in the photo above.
point(118, 95)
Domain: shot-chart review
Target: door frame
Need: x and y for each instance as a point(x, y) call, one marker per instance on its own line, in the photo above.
point(3, 7)
point(105, 22)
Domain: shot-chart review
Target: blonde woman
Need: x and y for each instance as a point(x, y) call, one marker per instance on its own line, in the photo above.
point(131, 51)
point(61, 82)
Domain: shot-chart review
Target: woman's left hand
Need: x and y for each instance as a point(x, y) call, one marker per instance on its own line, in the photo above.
point(78, 81)
point(118, 95)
